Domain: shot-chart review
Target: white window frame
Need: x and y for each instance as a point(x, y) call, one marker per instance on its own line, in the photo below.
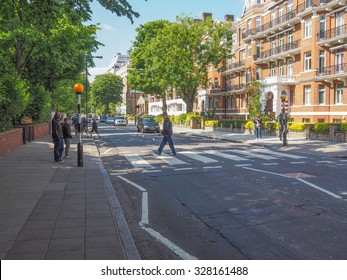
point(307, 91)
point(308, 28)
point(307, 61)
point(321, 95)
point(339, 94)
point(273, 70)
point(290, 67)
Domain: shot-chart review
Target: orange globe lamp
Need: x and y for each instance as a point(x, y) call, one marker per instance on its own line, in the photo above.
point(78, 88)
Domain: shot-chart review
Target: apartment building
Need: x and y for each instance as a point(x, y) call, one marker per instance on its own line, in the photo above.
point(297, 49)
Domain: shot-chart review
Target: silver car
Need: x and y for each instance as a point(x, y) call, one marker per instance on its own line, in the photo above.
point(120, 120)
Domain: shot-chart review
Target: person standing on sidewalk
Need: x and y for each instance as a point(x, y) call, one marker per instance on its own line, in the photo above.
point(58, 137)
point(94, 128)
point(167, 133)
point(67, 137)
point(258, 122)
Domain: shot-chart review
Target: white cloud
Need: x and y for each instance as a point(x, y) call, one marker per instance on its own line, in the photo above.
point(108, 27)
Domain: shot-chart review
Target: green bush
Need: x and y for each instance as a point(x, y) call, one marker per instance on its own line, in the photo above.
point(249, 125)
point(296, 126)
point(211, 123)
point(343, 126)
point(321, 127)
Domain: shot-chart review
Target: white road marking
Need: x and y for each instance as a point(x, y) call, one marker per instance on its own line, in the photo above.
point(118, 173)
point(107, 151)
point(301, 180)
point(278, 153)
point(198, 157)
point(150, 171)
point(252, 154)
point(271, 163)
point(145, 222)
point(170, 160)
point(138, 162)
point(324, 161)
point(297, 162)
point(224, 155)
point(243, 165)
point(182, 169)
point(212, 167)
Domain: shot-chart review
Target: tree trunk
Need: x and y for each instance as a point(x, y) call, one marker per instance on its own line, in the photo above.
point(164, 108)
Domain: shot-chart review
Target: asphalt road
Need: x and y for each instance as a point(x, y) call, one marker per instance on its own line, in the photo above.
point(222, 200)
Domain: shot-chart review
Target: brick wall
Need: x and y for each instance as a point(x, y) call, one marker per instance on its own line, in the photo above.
point(10, 140)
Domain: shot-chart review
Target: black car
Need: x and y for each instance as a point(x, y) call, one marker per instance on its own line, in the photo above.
point(148, 124)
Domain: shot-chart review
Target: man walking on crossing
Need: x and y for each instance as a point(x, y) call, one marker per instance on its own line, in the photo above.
point(167, 133)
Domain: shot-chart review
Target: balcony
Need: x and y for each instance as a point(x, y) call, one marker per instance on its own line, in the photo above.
point(289, 49)
point(333, 72)
point(279, 79)
point(236, 66)
point(332, 36)
point(233, 89)
point(289, 19)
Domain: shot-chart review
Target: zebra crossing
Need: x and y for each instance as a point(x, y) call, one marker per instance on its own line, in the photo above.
point(151, 162)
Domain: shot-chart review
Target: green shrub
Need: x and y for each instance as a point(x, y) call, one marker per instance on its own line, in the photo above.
point(296, 126)
point(321, 127)
point(343, 126)
point(211, 123)
point(249, 125)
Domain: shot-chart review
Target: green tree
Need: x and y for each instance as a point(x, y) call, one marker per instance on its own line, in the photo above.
point(254, 105)
point(106, 89)
point(44, 44)
point(147, 72)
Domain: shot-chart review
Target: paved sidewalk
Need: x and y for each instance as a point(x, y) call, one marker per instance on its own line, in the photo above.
point(294, 144)
point(57, 211)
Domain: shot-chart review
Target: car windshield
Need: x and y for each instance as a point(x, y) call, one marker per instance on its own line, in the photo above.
point(149, 121)
point(119, 118)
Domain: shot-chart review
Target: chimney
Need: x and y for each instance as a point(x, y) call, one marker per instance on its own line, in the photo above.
point(229, 18)
point(206, 15)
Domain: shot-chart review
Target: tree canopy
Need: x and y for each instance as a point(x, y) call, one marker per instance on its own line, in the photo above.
point(44, 45)
point(106, 89)
point(171, 56)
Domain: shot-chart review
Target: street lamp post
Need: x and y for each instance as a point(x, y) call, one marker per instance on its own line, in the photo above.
point(284, 121)
point(79, 88)
point(98, 56)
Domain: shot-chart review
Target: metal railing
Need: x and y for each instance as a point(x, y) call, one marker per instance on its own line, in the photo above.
point(332, 70)
point(332, 33)
point(278, 50)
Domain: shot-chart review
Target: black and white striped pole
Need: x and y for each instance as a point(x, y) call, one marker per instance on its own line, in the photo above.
point(284, 121)
point(79, 88)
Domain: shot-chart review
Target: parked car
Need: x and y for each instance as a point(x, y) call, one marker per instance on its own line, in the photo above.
point(148, 124)
point(103, 118)
point(96, 118)
point(120, 120)
point(110, 120)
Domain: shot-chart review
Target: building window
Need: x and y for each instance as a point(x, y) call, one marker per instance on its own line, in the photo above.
point(306, 120)
point(216, 103)
point(307, 61)
point(258, 73)
point(249, 49)
point(290, 67)
point(307, 96)
point(216, 85)
point(233, 102)
point(273, 70)
point(258, 23)
point(242, 101)
point(249, 75)
point(321, 95)
point(281, 68)
point(321, 62)
point(322, 27)
point(308, 28)
point(339, 93)
point(228, 102)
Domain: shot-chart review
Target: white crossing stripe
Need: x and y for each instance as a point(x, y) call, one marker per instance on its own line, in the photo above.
point(224, 155)
point(252, 154)
point(277, 153)
point(170, 160)
point(198, 157)
point(138, 162)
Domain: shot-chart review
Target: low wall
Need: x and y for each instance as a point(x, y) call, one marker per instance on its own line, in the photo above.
point(12, 139)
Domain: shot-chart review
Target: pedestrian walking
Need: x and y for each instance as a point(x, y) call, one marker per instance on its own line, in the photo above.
point(167, 133)
point(75, 123)
point(67, 137)
point(94, 128)
point(258, 123)
point(58, 137)
point(84, 124)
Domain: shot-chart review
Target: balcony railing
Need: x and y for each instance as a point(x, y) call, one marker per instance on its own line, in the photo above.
point(332, 70)
point(238, 64)
point(278, 50)
point(284, 18)
point(332, 33)
point(230, 88)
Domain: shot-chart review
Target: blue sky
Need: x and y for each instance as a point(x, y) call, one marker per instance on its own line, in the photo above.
point(118, 33)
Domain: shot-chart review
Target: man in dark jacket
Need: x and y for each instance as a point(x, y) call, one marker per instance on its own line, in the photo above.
point(167, 133)
point(67, 136)
point(58, 137)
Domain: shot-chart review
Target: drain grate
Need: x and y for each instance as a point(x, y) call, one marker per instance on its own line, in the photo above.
point(299, 175)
